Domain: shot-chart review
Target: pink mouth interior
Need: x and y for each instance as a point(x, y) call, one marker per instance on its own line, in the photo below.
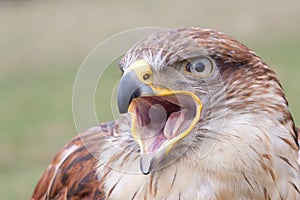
point(162, 118)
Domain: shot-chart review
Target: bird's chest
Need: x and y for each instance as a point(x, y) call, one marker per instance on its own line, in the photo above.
point(173, 184)
point(178, 183)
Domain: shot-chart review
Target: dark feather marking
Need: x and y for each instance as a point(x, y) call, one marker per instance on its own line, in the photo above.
point(64, 178)
point(268, 157)
point(84, 182)
point(80, 159)
point(248, 181)
point(271, 172)
point(267, 197)
point(112, 189)
point(145, 193)
point(106, 173)
point(151, 183)
point(289, 143)
point(296, 188)
point(113, 159)
point(134, 195)
point(264, 165)
point(287, 161)
point(98, 195)
point(125, 159)
point(71, 189)
point(174, 178)
point(297, 135)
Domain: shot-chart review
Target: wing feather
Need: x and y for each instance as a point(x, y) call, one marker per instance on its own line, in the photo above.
point(72, 173)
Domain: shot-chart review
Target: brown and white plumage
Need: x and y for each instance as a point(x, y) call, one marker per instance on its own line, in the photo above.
point(243, 146)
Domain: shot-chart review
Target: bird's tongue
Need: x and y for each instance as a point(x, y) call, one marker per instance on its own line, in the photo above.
point(175, 122)
point(158, 120)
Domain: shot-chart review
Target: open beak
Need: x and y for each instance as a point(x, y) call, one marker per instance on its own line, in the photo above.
point(160, 117)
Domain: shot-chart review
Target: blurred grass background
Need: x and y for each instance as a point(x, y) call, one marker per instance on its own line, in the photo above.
point(43, 43)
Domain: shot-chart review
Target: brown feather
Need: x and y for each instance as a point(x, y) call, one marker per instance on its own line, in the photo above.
point(73, 176)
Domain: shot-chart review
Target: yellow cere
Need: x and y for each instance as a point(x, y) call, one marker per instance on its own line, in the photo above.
point(140, 67)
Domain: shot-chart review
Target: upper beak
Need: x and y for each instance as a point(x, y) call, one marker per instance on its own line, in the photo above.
point(134, 83)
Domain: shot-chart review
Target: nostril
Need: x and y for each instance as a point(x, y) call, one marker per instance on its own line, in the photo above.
point(146, 76)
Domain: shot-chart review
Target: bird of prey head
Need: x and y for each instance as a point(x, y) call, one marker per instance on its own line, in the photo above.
point(203, 116)
point(184, 87)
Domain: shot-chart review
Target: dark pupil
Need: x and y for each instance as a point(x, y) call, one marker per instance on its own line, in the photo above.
point(199, 67)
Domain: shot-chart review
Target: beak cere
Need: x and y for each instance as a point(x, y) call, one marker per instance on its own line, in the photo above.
point(160, 117)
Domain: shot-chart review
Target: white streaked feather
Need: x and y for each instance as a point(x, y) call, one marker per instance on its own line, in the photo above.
point(64, 155)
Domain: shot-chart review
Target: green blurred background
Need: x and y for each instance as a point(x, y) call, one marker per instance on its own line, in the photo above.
point(43, 43)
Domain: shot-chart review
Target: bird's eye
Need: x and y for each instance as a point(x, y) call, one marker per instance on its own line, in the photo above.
point(201, 67)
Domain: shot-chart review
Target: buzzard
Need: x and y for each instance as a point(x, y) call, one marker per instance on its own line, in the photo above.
point(203, 117)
